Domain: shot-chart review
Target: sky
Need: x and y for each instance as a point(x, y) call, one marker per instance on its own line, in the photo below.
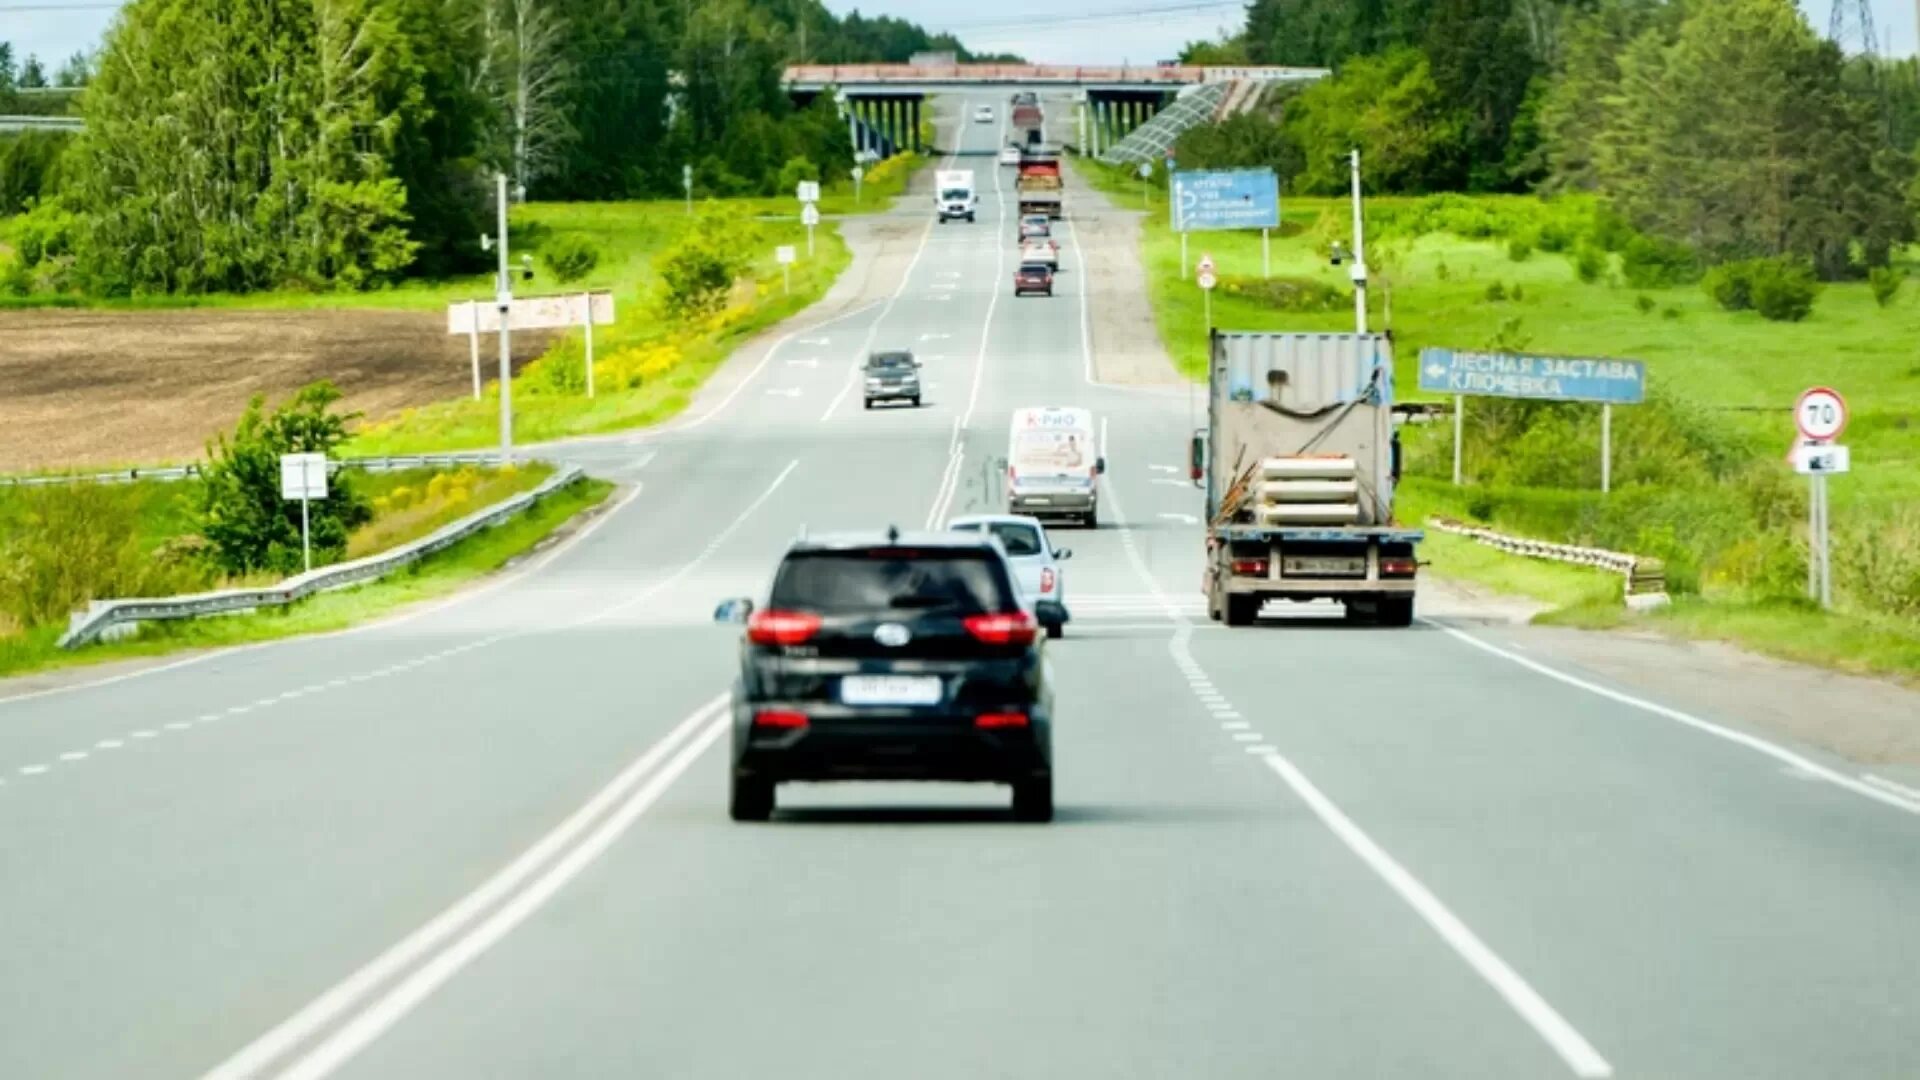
point(1068, 32)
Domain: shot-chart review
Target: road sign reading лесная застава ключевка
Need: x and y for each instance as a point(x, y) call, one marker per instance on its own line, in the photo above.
point(1542, 378)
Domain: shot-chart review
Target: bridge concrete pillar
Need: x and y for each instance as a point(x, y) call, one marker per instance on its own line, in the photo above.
point(913, 116)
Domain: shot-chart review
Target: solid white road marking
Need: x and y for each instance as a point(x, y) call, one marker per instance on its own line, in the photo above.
point(1741, 738)
point(1572, 1047)
point(565, 837)
point(1888, 785)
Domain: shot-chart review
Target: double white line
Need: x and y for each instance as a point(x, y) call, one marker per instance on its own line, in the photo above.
point(346, 1019)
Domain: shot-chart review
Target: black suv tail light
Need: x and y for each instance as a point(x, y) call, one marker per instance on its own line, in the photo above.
point(782, 627)
point(1014, 628)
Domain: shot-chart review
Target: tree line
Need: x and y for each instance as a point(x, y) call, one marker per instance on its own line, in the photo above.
point(237, 145)
point(1718, 130)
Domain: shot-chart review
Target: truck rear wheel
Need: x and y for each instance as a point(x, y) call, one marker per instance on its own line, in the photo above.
point(1242, 609)
point(1396, 611)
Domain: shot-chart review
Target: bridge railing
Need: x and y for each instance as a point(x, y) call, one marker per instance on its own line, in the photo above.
point(1169, 75)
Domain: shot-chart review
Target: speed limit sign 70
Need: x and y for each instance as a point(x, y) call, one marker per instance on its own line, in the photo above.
point(1821, 414)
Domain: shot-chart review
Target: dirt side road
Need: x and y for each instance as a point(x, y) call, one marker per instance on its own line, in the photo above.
point(100, 388)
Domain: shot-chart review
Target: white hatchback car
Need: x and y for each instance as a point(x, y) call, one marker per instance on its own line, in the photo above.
point(1009, 155)
point(983, 115)
point(1040, 250)
point(1035, 561)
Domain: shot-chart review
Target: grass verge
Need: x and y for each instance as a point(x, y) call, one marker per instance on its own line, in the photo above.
point(552, 404)
point(431, 578)
point(1851, 640)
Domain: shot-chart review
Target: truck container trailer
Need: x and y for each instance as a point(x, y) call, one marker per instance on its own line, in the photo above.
point(1038, 185)
point(1299, 460)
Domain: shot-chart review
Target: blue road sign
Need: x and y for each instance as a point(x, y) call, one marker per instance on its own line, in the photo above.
point(1226, 199)
point(1541, 378)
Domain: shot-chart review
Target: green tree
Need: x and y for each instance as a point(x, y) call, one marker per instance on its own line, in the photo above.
point(1739, 141)
point(1481, 64)
point(33, 74)
point(1389, 107)
point(1579, 104)
point(249, 526)
point(242, 144)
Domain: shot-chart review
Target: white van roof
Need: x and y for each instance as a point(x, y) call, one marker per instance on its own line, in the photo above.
point(1053, 416)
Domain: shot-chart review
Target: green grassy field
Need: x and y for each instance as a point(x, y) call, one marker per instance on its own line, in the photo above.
point(34, 650)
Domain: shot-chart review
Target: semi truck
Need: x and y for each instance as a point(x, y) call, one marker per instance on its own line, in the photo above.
point(1299, 460)
point(1038, 184)
point(1026, 118)
point(953, 194)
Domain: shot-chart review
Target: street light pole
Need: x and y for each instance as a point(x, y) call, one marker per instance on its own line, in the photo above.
point(504, 298)
point(1359, 272)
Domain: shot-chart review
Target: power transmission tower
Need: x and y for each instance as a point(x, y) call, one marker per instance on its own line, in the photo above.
point(1851, 22)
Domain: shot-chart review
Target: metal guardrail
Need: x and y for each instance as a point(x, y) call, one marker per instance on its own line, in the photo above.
point(102, 615)
point(1646, 578)
point(42, 123)
point(188, 472)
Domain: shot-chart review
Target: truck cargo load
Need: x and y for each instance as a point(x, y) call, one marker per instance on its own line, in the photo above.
point(1039, 186)
point(1299, 460)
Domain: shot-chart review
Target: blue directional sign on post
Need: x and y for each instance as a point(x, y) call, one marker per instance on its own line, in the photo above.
point(1226, 199)
point(1541, 378)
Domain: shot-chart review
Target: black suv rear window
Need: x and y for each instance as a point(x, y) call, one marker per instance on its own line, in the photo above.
point(891, 579)
point(880, 361)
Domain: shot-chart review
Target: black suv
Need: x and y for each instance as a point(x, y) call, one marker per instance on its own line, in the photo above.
point(892, 375)
point(891, 657)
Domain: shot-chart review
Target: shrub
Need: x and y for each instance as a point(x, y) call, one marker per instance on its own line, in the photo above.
point(1649, 263)
point(1885, 281)
point(1520, 249)
point(15, 278)
point(1783, 290)
point(1730, 285)
point(793, 172)
point(569, 258)
point(1292, 294)
point(1589, 262)
point(1644, 303)
point(1516, 293)
point(1555, 236)
point(1440, 270)
point(1496, 292)
point(47, 231)
point(247, 524)
point(1669, 312)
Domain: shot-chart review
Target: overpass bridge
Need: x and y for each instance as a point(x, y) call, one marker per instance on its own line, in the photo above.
point(884, 102)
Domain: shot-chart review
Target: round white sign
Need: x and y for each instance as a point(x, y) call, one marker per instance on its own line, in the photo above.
point(1206, 278)
point(1821, 414)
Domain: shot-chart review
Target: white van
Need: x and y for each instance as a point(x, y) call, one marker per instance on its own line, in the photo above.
point(1054, 463)
point(953, 195)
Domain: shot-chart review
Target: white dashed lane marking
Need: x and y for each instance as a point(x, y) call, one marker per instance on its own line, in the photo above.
point(108, 744)
point(32, 770)
point(74, 755)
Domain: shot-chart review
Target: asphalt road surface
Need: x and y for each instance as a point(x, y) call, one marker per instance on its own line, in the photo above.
point(490, 839)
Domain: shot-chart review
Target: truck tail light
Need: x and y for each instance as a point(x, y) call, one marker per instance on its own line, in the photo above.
point(782, 627)
point(1251, 567)
point(999, 721)
point(1398, 566)
point(1046, 580)
point(1015, 628)
point(780, 719)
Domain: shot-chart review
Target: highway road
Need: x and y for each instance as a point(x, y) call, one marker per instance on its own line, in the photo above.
point(490, 839)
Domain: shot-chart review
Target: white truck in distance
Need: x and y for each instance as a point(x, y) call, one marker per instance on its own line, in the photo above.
point(953, 194)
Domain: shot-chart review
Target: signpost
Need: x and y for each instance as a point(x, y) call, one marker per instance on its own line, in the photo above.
point(1820, 414)
point(533, 313)
point(1212, 200)
point(784, 256)
point(1145, 173)
point(1603, 381)
point(304, 477)
point(810, 216)
point(858, 174)
point(1203, 274)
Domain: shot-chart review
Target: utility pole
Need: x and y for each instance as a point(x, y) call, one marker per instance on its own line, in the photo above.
point(1359, 271)
point(504, 297)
